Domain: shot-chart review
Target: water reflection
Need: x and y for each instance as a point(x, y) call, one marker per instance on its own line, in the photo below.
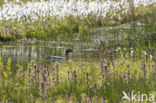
point(21, 53)
point(124, 36)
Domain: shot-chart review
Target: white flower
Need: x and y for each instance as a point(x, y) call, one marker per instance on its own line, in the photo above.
point(63, 8)
point(145, 53)
point(151, 57)
point(132, 51)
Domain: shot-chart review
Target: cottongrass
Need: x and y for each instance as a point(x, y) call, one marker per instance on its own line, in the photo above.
point(63, 8)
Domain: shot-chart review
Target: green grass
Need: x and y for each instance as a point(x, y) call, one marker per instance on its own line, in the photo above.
point(25, 84)
point(54, 82)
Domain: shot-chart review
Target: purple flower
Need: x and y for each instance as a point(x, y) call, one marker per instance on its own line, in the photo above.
point(35, 69)
point(44, 77)
point(68, 96)
point(95, 86)
point(124, 76)
point(124, 56)
point(89, 87)
point(130, 95)
point(101, 42)
point(128, 13)
point(42, 66)
point(143, 67)
point(103, 100)
point(139, 98)
point(108, 64)
point(105, 69)
point(108, 70)
point(102, 65)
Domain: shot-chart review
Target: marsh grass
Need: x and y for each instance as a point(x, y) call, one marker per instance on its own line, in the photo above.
point(83, 81)
point(51, 28)
point(77, 81)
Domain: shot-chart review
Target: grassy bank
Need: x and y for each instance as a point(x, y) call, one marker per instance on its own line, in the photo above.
point(83, 82)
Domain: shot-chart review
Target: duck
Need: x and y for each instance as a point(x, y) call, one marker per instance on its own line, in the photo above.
point(59, 58)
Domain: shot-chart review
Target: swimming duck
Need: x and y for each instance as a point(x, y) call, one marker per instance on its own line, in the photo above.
point(59, 58)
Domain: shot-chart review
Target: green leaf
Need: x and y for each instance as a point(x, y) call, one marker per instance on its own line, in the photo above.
point(1, 63)
point(9, 64)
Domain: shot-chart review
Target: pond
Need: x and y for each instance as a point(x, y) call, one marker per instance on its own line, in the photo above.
point(87, 49)
point(23, 52)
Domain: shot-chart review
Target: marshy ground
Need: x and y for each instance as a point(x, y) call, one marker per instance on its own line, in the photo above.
point(113, 43)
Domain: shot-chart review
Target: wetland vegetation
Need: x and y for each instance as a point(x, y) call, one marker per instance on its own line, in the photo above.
point(113, 44)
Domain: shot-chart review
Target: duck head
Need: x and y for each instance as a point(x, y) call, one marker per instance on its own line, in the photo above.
point(68, 51)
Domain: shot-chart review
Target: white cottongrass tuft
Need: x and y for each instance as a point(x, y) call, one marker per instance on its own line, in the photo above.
point(63, 8)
